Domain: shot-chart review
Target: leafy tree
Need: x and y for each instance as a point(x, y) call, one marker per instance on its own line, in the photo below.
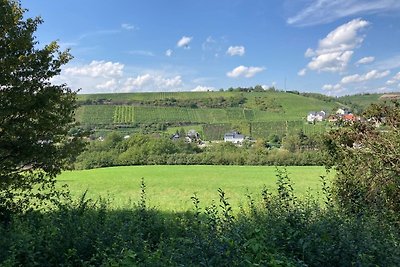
point(35, 115)
point(365, 155)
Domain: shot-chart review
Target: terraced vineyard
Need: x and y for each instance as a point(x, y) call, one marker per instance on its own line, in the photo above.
point(249, 118)
point(95, 114)
point(124, 114)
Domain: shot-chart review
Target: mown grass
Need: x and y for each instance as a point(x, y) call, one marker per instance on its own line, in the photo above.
point(170, 188)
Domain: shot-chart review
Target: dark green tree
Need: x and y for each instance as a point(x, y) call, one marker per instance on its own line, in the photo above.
point(36, 116)
point(366, 157)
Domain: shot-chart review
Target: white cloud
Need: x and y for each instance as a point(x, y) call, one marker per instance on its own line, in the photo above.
point(371, 75)
point(330, 87)
point(142, 53)
point(110, 85)
point(336, 49)
point(365, 60)
point(184, 42)
point(236, 51)
point(200, 88)
point(149, 82)
point(97, 69)
point(302, 72)
point(244, 71)
point(128, 27)
point(95, 77)
point(394, 79)
point(391, 63)
point(169, 52)
point(309, 53)
point(331, 62)
point(324, 11)
point(104, 77)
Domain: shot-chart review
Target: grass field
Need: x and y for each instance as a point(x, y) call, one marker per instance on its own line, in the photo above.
point(170, 187)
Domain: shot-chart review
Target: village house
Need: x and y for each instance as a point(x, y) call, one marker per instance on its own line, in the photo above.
point(316, 116)
point(342, 111)
point(234, 137)
point(192, 136)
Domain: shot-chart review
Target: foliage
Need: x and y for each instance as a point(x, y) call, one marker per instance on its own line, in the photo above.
point(145, 149)
point(35, 115)
point(268, 104)
point(271, 230)
point(365, 155)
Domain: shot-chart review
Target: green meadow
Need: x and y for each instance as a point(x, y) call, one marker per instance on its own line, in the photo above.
point(170, 188)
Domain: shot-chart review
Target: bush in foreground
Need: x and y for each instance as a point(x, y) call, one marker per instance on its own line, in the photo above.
point(276, 230)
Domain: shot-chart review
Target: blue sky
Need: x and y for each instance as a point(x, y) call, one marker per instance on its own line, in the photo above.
point(332, 47)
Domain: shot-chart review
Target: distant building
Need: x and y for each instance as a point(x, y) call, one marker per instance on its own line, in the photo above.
point(342, 111)
point(175, 137)
point(316, 116)
point(349, 117)
point(234, 137)
point(192, 136)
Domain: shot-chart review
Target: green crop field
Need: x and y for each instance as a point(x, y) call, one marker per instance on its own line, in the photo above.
point(170, 187)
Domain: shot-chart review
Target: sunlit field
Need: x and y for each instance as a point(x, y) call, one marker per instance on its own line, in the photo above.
point(171, 187)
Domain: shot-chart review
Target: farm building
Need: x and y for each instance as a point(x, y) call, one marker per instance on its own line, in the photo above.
point(316, 116)
point(234, 137)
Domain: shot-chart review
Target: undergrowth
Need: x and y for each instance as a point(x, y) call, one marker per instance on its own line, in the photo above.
point(274, 229)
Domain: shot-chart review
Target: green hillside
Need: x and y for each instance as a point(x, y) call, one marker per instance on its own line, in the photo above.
point(364, 100)
point(253, 113)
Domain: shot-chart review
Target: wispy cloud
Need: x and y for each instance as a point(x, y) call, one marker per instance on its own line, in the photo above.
point(395, 79)
point(302, 72)
point(142, 53)
point(98, 33)
point(236, 51)
point(371, 75)
point(389, 63)
point(365, 60)
point(128, 27)
point(325, 11)
point(169, 52)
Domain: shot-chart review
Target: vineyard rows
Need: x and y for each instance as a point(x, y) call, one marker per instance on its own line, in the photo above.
point(95, 115)
point(216, 122)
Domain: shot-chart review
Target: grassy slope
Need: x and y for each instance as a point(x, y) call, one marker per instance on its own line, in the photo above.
point(294, 107)
point(362, 100)
point(170, 187)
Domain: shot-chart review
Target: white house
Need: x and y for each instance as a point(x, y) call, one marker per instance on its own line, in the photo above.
point(316, 116)
point(342, 111)
point(234, 137)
